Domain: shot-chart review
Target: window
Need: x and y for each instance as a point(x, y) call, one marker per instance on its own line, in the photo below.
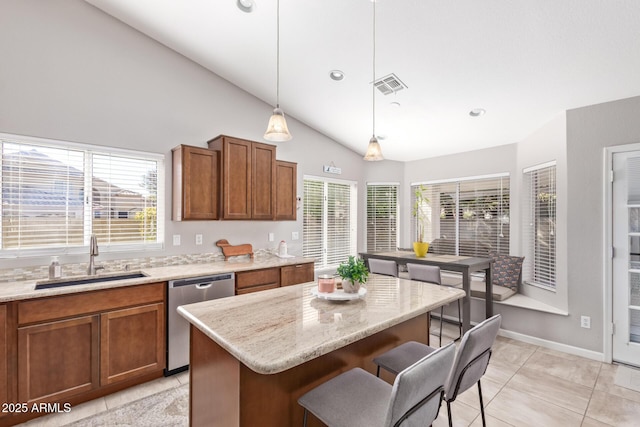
point(540, 225)
point(467, 217)
point(56, 194)
point(382, 217)
point(329, 221)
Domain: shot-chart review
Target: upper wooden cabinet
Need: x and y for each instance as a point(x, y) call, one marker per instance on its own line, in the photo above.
point(195, 183)
point(286, 190)
point(247, 179)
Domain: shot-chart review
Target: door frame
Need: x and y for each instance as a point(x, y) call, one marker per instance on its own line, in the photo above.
point(607, 293)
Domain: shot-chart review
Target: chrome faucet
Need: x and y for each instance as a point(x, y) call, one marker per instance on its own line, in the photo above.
point(93, 252)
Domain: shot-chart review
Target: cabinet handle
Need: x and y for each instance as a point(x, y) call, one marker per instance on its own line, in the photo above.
point(299, 265)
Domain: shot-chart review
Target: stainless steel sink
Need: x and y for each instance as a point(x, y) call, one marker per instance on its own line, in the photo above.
point(87, 280)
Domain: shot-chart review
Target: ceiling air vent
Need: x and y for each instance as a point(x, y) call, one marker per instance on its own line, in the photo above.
point(390, 84)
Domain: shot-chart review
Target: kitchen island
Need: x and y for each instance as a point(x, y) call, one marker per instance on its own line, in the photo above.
point(252, 356)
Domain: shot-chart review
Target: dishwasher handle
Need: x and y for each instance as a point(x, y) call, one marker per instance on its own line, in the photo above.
point(204, 285)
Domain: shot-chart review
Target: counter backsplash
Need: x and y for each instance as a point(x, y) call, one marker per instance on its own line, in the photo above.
point(41, 272)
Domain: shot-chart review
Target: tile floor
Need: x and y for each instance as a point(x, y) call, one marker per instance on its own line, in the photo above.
point(525, 385)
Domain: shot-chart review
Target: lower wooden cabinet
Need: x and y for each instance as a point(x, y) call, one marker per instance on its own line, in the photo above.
point(257, 280)
point(131, 342)
point(74, 344)
point(4, 354)
point(58, 359)
point(294, 274)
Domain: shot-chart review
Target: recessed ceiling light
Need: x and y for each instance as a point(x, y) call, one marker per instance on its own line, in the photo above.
point(382, 137)
point(336, 75)
point(477, 112)
point(395, 104)
point(247, 6)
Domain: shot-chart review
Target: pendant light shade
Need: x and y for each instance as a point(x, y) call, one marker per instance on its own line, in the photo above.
point(277, 129)
point(374, 151)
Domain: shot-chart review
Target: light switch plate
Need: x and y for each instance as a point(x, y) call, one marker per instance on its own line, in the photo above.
point(198, 239)
point(271, 237)
point(294, 235)
point(176, 240)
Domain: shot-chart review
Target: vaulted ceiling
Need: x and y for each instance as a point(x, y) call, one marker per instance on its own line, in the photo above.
point(524, 62)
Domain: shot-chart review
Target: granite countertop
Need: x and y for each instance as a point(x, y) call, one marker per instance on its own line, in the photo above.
point(274, 330)
point(12, 291)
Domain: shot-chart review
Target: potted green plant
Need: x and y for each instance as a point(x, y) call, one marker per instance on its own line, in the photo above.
point(420, 247)
point(353, 273)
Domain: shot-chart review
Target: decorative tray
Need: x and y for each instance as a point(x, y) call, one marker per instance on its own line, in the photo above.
point(339, 294)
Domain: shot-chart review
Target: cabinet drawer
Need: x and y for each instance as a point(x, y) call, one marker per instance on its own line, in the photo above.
point(268, 276)
point(294, 274)
point(45, 309)
point(256, 289)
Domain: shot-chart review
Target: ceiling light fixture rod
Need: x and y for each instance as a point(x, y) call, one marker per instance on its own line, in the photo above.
point(374, 152)
point(277, 128)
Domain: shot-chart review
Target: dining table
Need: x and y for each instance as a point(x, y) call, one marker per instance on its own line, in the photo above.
point(466, 265)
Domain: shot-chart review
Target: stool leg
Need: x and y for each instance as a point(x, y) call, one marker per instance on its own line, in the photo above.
point(459, 321)
point(484, 423)
point(449, 414)
point(304, 419)
point(441, 317)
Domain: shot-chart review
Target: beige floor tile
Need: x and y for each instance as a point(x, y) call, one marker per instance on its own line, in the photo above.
point(578, 370)
point(463, 415)
point(606, 384)
point(500, 372)
point(141, 391)
point(489, 390)
point(512, 351)
point(555, 390)
point(613, 410)
point(491, 422)
point(78, 412)
point(522, 409)
point(590, 422)
point(183, 377)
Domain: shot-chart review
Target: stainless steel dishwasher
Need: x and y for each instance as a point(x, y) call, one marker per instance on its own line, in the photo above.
point(189, 291)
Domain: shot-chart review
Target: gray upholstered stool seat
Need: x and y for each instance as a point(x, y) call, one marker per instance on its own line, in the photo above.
point(383, 266)
point(356, 398)
point(468, 368)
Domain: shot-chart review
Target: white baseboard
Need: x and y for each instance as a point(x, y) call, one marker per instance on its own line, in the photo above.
point(577, 351)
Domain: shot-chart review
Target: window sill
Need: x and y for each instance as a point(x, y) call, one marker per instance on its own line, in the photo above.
point(528, 303)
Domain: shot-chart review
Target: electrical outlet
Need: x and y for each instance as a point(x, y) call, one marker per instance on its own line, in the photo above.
point(294, 235)
point(198, 239)
point(585, 322)
point(176, 240)
point(271, 237)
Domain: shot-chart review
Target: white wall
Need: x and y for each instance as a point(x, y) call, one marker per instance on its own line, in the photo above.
point(71, 72)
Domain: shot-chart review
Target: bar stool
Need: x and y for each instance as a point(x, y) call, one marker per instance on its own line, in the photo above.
point(356, 398)
point(431, 274)
point(383, 266)
point(468, 368)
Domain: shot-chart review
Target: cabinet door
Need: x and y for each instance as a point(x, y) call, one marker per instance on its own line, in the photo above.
point(58, 359)
point(4, 381)
point(195, 183)
point(257, 280)
point(263, 184)
point(294, 274)
point(236, 179)
point(286, 190)
point(131, 342)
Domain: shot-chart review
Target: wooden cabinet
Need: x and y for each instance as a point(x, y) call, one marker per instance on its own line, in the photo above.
point(286, 190)
point(195, 183)
point(58, 359)
point(131, 342)
point(294, 274)
point(73, 344)
point(4, 355)
point(247, 179)
point(257, 280)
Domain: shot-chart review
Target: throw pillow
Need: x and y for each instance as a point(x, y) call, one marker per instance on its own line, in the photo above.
point(506, 270)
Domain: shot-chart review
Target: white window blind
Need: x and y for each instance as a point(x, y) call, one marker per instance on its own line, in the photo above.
point(329, 221)
point(540, 226)
point(468, 217)
point(55, 195)
point(382, 217)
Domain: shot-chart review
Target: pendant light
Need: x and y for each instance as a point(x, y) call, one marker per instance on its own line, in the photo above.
point(374, 152)
point(277, 130)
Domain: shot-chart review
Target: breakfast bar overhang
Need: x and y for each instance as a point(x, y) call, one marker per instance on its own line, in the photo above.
point(252, 356)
